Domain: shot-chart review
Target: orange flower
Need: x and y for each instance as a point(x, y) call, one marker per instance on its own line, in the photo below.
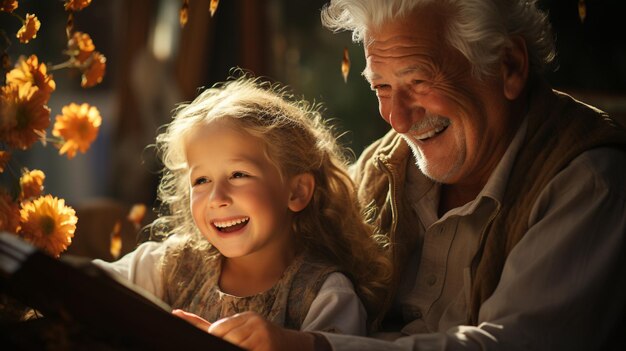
point(81, 46)
point(48, 224)
point(136, 214)
point(31, 183)
point(5, 156)
point(345, 65)
point(183, 14)
point(9, 213)
point(24, 116)
point(8, 5)
point(29, 29)
point(76, 5)
point(115, 247)
point(94, 73)
point(30, 71)
point(78, 126)
point(213, 6)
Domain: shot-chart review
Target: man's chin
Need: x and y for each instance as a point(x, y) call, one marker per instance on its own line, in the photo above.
point(433, 169)
point(434, 173)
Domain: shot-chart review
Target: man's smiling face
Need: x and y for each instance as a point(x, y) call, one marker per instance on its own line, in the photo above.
point(453, 121)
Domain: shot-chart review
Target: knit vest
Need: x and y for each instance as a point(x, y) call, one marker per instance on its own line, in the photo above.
point(559, 130)
point(191, 275)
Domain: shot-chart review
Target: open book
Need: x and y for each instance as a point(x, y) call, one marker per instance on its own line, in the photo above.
point(74, 292)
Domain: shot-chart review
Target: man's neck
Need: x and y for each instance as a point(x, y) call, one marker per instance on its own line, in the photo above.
point(458, 194)
point(453, 196)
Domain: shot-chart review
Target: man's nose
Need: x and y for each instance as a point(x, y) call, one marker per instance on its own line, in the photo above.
point(403, 112)
point(219, 196)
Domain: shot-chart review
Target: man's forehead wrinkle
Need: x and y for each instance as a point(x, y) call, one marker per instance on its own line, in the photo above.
point(397, 41)
point(409, 70)
point(370, 75)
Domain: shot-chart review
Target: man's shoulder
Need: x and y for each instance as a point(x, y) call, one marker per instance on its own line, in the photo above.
point(605, 166)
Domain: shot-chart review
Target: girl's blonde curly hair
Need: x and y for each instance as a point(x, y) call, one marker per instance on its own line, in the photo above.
point(297, 140)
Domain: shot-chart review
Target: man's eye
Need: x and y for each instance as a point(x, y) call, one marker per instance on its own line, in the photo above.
point(379, 87)
point(382, 90)
point(417, 81)
point(200, 180)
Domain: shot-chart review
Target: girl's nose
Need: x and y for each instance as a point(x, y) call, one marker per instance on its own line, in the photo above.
point(219, 197)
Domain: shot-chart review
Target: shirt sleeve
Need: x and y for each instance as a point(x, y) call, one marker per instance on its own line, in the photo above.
point(336, 308)
point(563, 287)
point(140, 267)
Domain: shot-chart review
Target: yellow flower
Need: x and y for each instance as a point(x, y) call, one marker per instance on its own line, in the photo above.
point(48, 224)
point(24, 116)
point(29, 29)
point(76, 5)
point(31, 183)
point(81, 46)
point(5, 156)
point(9, 213)
point(78, 126)
point(94, 73)
point(30, 71)
point(8, 5)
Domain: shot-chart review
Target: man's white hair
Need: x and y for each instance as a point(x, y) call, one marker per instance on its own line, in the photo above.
point(479, 29)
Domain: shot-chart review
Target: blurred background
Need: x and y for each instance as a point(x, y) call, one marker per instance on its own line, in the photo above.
point(153, 64)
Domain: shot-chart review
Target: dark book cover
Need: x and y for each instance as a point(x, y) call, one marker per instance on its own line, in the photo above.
point(84, 306)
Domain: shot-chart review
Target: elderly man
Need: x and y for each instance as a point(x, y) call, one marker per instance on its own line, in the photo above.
point(504, 200)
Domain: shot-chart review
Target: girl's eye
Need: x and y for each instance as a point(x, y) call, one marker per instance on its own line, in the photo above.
point(200, 180)
point(236, 175)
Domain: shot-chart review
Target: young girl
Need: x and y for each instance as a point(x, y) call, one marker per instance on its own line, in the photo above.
point(261, 216)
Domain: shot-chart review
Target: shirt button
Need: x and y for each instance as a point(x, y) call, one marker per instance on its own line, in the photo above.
point(417, 314)
point(411, 313)
point(431, 280)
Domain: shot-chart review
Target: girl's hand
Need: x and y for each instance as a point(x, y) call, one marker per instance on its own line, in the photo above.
point(193, 319)
point(250, 331)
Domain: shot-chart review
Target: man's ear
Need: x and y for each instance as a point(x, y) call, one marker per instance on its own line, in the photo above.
point(515, 67)
point(302, 187)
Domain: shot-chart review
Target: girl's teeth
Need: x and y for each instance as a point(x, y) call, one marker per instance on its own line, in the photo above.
point(230, 223)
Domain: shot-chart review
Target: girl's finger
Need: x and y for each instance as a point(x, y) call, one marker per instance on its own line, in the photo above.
point(193, 319)
point(229, 324)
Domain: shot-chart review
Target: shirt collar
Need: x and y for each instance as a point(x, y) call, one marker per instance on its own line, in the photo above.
point(426, 207)
point(496, 185)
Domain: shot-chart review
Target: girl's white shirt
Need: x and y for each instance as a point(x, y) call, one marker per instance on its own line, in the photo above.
point(336, 306)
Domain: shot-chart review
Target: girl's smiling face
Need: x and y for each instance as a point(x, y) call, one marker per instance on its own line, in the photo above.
point(239, 201)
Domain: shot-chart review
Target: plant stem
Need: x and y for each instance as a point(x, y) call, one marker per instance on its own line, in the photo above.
point(67, 64)
point(18, 17)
